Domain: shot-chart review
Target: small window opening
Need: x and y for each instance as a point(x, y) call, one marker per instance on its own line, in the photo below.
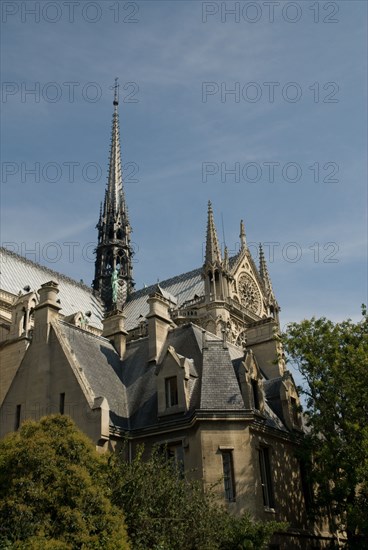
point(17, 417)
point(255, 394)
point(171, 391)
point(266, 478)
point(229, 481)
point(62, 403)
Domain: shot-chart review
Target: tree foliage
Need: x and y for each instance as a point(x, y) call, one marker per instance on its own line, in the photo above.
point(58, 493)
point(53, 493)
point(166, 511)
point(333, 361)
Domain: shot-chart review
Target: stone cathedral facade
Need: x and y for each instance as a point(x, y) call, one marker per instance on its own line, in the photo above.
point(191, 362)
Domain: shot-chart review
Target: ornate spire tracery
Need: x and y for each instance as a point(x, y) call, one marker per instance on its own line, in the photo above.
point(113, 269)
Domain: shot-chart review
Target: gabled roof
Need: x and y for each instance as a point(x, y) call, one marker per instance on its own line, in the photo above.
point(17, 272)
point(140, 380)
point(101, 366)
point(130, 385)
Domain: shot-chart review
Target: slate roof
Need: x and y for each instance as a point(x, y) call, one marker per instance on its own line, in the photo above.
point(130, 386)
point(272, 390)
point(17, 272)
point(102, 367)
point(140, 379)
point(220, 389)
point(184, 287)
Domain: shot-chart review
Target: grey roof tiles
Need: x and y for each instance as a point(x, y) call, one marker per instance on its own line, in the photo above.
point(17, 271)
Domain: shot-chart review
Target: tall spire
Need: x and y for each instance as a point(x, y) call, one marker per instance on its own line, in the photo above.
point(115, 194)
point(213, 254)
point(243, 242)
point(113, 269)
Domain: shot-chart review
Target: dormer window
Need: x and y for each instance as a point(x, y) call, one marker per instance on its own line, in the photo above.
point(175, 378)
point(171, 391)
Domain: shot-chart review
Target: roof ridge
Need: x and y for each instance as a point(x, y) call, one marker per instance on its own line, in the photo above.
point(170, 281)
point(166, 282)
point(83, 331)
point(61, 276)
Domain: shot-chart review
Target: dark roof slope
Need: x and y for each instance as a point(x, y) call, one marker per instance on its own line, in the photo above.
point(220, 389)
point(272, 390)
point(140, 379)
point(130, 386)
point(102, 367)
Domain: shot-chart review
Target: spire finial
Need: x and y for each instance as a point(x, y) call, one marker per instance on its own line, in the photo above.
point(116, 92)
point(243, 241)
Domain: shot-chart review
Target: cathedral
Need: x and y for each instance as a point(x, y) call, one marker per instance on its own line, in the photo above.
point(192, 363)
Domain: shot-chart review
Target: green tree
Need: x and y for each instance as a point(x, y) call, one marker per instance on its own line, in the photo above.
point(166, 511)
point(53, 491)
point(333, 361)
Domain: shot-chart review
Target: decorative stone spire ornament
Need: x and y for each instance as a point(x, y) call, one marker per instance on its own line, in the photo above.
point(213, 253)
point(263, 271)
point(226, 259)
point(243, 241)
point(113, 280)
point(266, 279)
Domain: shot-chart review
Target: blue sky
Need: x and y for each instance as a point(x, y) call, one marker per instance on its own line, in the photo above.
point(299, 111)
